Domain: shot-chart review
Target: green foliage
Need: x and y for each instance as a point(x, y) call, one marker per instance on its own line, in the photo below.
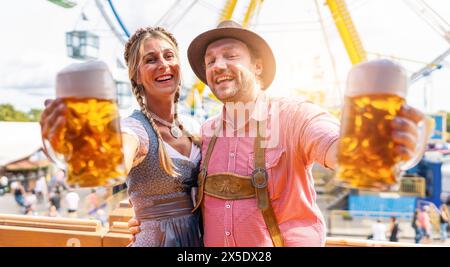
point(347, 216)
point(448, 122)
point(34, 114)
point(9, 113)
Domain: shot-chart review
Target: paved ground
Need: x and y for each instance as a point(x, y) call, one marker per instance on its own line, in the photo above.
point(436, 241)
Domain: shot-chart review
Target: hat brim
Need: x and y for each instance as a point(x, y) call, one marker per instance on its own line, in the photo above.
point(197, 50)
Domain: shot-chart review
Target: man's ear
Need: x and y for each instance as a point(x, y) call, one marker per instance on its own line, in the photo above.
point(258, 67)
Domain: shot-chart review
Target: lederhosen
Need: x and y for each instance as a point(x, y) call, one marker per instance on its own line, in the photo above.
point(230, 186)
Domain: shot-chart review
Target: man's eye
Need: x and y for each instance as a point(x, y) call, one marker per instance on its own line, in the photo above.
point(150, 60)
point(210, 62)
point(170, 56)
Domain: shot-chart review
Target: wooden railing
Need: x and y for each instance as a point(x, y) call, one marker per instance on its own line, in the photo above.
point(39, 231)
point(22, 230)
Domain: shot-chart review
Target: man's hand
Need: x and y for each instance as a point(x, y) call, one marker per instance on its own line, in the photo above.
point(133, 227)
point(405, 131)
point(404, 135)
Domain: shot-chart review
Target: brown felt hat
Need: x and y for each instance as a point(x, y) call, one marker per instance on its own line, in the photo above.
point(232, 29)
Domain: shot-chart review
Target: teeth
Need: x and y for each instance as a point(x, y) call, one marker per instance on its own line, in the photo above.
point(224, 78)
point(164, 77)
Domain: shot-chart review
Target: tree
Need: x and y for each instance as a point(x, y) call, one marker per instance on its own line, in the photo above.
point(9, 113)
point(35, 114)
point(448, 122)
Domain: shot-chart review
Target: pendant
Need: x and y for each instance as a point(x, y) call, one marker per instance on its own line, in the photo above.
point(176, 132)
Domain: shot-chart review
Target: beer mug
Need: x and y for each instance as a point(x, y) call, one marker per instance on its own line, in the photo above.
point(89, 147)
point(376, 91)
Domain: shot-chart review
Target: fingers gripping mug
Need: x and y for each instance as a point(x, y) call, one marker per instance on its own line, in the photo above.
point(376, 91)
point(89, 145)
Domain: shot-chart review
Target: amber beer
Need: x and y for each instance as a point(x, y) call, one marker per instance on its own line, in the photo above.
point(374, 95)
point(90, 144)
point(366, 157)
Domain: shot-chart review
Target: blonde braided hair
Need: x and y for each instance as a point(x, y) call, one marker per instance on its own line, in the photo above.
point(132, 57)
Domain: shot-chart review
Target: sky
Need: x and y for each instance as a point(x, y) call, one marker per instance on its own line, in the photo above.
point(34, 49)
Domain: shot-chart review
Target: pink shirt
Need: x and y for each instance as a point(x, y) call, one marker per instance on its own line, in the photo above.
point(305, 133)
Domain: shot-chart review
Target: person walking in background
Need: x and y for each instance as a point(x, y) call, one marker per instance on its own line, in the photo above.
point(30, 201)
point(3, 184)
point(55, 200)
point(425, 224)
point(41, 189)
point(72, 200)
point(19, 193)
point(57, 181)
point(379, 231)
point(92, 202)
point(444, 217)
point(393, 229)
point(417, 227)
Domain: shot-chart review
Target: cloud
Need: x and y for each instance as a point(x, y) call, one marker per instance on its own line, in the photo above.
point(30, 70)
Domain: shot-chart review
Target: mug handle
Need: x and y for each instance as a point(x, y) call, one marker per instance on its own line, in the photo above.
point(426, 127)
point(50, 153)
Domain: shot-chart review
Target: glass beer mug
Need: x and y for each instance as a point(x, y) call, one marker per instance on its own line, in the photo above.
point(376, 91)
point(89, 146)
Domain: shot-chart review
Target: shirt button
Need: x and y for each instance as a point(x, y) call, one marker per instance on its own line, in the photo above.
point(232, 154)
point(227, 233)
point(227, 206)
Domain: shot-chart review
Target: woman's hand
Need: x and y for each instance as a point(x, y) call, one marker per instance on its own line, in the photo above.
point(53, 118)
point(133, 227)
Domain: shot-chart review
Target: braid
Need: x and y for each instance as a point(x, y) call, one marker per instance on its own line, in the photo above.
point(131, 55)
point(195, 139)
point(164, 159)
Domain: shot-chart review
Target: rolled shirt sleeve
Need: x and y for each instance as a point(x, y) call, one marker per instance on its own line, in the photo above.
point(313, 131)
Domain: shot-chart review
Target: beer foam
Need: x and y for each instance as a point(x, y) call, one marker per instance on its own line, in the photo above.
point(377, 77)
point(90, 79)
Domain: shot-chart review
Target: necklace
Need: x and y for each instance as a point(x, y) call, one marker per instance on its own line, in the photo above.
point(175, 131)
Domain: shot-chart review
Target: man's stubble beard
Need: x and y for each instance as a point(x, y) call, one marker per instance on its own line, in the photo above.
point(243, 86)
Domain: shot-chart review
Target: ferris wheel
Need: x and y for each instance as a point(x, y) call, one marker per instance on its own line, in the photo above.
point(85, 44)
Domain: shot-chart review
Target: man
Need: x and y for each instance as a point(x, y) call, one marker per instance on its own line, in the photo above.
point(72, 201)
point(255, 185)
point(41, 189)
point(379, 231)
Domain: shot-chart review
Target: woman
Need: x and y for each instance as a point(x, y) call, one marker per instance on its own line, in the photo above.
point(19, 193)
point(425, 224)
point(417, 227)
point(160, 155)
point(393, 230)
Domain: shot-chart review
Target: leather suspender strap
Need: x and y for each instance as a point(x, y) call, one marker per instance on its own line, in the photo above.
point(260, 180)
point(202, 174)
point(259, 176)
